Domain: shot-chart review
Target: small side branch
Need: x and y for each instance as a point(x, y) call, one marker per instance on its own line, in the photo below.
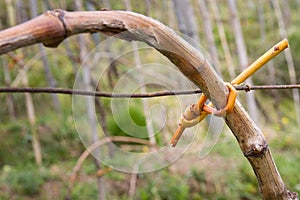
point(92, 148)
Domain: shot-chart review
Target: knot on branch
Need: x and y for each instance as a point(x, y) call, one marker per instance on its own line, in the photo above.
point(59, 28)
point(257, 149)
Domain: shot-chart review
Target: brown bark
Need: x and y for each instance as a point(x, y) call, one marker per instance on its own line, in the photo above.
point(52, 27)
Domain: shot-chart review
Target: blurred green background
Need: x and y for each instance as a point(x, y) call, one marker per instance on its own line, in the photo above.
point(223, 174)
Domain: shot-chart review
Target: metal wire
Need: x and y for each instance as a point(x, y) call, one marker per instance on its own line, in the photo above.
point(246, 88)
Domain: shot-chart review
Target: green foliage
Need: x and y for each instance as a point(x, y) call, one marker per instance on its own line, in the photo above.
point(117, 176)
point(17, 141)
point(87, 190)
point(286, 153)
point(289, 166)
point(165, 187)
point(294, 41)
point(129, 121)
point(26, 180)
point(199, 176)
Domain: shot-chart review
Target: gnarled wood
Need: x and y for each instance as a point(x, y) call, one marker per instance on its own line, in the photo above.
point(52, 27)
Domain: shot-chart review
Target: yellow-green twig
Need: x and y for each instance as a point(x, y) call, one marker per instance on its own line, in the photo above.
point(266, 57)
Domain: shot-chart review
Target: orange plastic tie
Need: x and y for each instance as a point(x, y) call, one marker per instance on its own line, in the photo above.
point(229, 106)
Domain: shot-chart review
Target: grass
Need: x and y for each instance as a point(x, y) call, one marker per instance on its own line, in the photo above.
point(223, 174)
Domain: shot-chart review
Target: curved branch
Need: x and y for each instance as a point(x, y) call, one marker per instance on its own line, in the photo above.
point(93, 147)
point(54, 26)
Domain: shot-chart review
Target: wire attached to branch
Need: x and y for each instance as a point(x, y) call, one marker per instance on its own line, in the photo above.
point(246, 88)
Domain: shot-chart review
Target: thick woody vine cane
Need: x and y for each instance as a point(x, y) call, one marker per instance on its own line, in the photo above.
point(195, 113)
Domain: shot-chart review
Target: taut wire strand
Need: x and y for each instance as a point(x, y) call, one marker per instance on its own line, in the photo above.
point(140, 95)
